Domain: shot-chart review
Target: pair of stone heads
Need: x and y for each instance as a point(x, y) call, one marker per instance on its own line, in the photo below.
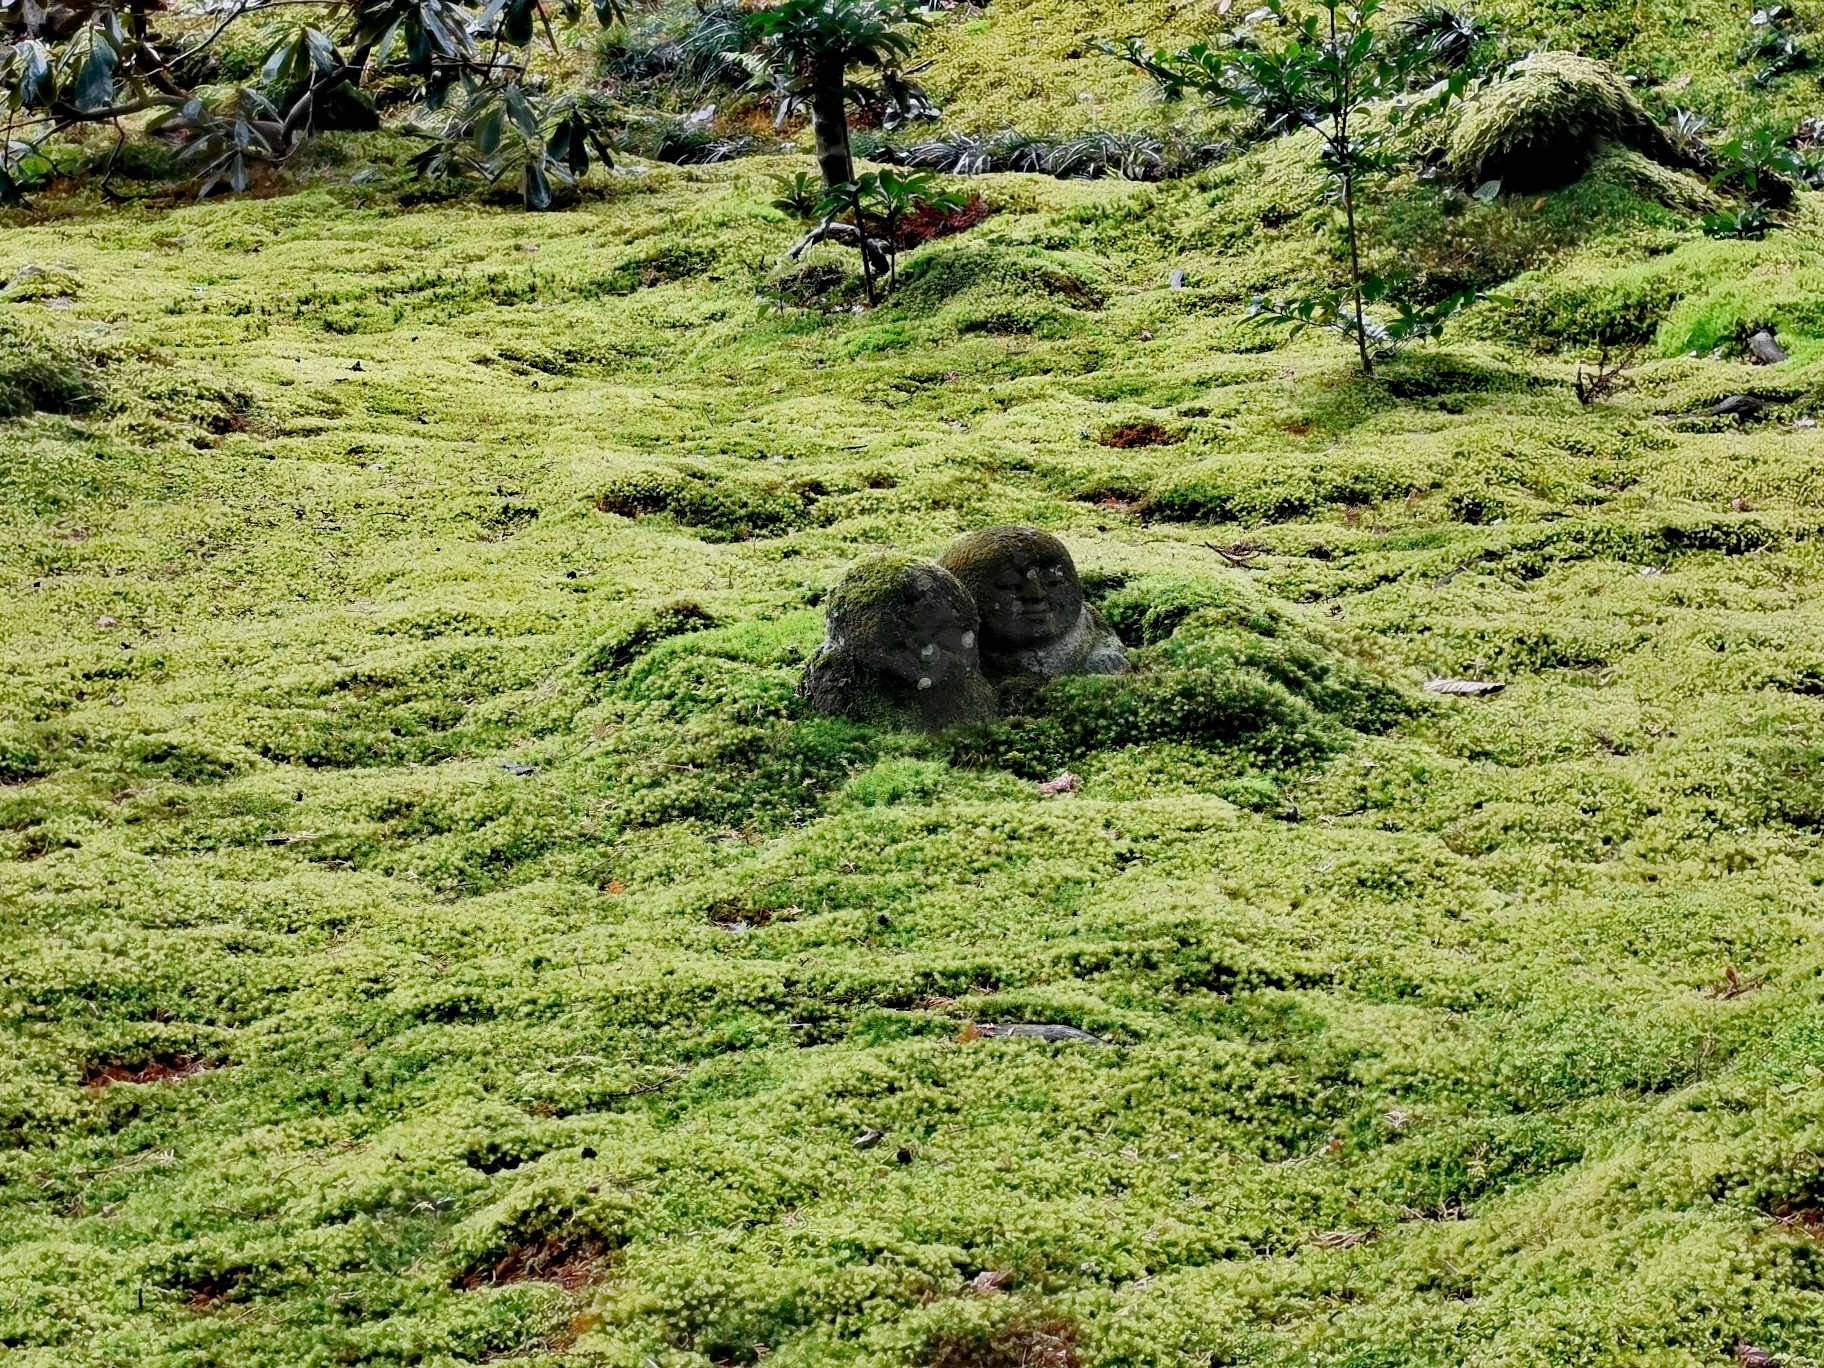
point(915, 641)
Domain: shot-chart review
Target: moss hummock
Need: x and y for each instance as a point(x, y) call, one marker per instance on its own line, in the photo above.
point(1543, 126)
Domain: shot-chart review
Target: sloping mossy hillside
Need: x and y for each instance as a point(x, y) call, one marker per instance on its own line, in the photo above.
point(434, 934)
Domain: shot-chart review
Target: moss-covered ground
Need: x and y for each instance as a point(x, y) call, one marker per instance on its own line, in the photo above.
point(433, 933)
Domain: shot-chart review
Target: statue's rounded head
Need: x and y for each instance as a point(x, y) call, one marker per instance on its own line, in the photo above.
point(906, 618)
point(1024, 584)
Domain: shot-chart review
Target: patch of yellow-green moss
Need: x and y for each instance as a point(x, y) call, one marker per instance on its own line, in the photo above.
point(420, 947)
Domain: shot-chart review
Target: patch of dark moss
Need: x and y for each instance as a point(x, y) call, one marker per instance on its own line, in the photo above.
point(1146, 433)
point(621, 647)
point(1259, 489)
point(660, 266)
point(720, 509)
point(43, 373)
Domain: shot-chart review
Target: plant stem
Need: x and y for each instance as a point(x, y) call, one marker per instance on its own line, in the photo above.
point(1340, 143)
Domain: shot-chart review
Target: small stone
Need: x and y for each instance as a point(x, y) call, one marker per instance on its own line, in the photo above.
point(1051, 1033)
point(1464, 688)
point(107, 622)
point(869, 1138)
point(1765, 350)
point(1738, 406)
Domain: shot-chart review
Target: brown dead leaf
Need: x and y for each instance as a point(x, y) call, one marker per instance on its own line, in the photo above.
point(1343, 1239)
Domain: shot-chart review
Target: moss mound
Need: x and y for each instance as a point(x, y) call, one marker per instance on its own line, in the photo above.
point(1269, 702)
point(41, 372)
point(35, 283)
point(1002, 290)
point(1270, 489)
point(723, 510)
point(1544, 126)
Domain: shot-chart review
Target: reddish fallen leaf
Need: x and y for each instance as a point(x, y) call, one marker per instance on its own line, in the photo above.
point(616, 886)
point(1464, 688)
point(1064, 783)
point(1752, 1356)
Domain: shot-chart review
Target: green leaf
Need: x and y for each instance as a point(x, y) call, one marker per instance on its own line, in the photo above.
point(519, 109)
point(35, 85)
point(489, 129)
point(537, 185)
point(94, 87)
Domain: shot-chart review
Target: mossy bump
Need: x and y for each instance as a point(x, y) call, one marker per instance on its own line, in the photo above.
point(1543, 127)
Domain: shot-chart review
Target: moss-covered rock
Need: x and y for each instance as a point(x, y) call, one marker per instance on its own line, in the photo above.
point(33, 282)
point(900, 648)
point(1034, 618)
point(1544, 126)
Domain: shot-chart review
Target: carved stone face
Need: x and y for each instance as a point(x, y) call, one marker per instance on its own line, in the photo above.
point(1024, 583)
point(925, 639)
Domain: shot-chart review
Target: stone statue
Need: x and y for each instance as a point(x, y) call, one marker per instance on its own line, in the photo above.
point(900, 648)
point(1034, 619)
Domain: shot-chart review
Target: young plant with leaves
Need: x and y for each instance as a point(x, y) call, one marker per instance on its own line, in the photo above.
point(821, 56)
point(1360, 92)
point(68, 66)
point(876, 205)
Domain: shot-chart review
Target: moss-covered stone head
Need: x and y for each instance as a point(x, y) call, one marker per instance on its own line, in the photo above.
point(1024, 583)
point(901, 643)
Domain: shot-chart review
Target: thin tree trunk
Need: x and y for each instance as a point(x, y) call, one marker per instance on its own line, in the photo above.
point(1355, 275)
point(830, 126)
point(1344, 152)
point(861, 230)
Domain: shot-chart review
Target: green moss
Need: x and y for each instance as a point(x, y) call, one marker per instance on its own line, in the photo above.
point(1149, 610)
point(621, 647)
point(549, 963)
point(723, 509)
point(33, 283)
point(1544, 125)
point(1261, 489)
point(39, 371)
